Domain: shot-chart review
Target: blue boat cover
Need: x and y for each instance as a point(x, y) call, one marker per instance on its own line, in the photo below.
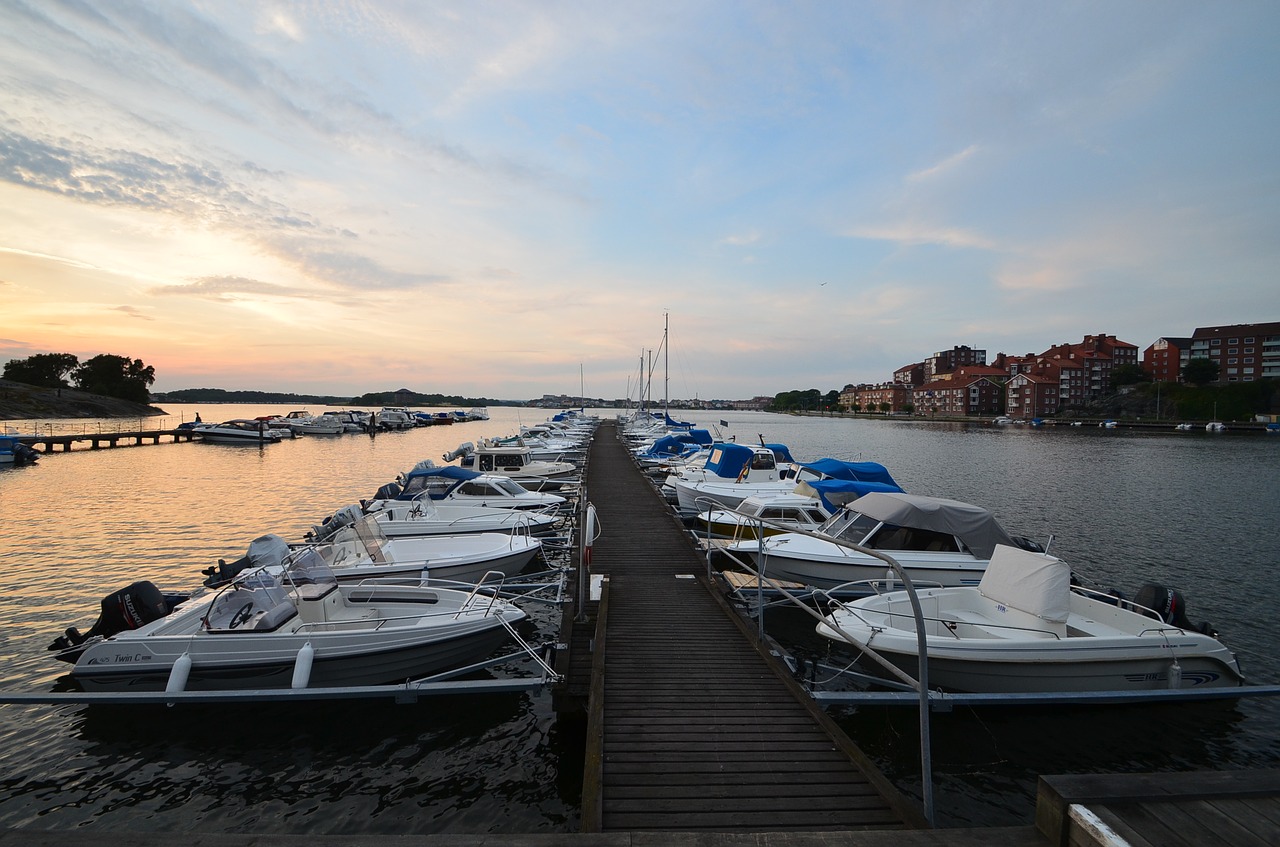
point(860, 471)
point(836, 492)
point(781, 451)
point(415, 481)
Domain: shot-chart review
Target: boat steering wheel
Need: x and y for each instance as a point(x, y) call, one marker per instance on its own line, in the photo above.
point(242, 614)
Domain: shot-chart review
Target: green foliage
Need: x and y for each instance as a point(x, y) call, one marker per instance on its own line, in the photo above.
point(116, 376)
point(805, 401)
point(47, 370)
point(1128, 375)
point(1200, 371)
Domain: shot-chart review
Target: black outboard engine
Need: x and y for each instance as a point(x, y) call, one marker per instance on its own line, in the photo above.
point(129, 608)
point(390, 491)
point(24, 454)
point(1028, 544)
point(1169, 606)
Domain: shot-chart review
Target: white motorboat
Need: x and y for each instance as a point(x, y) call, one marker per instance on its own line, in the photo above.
point(362, 551)
point(424, 516)
point(291, 625)
point(239, 431)
point(1024, 628)
point(793, 510)
point(454, 485)
point(318, 425)
point(734, 472)
point(514, 461)
point(939, 542)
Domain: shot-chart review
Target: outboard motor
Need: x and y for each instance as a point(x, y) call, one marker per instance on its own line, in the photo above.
point(24, 454)
point(1170, 607)
point(1028, 544)
point(267, 549)
point(390, 491)
point(129, 608)
point(345, 516)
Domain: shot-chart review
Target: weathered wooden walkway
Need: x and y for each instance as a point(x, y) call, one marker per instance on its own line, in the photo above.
point(101, 440)
point(690, 726)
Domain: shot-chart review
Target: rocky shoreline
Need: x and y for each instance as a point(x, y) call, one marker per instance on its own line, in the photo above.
point(28, 402)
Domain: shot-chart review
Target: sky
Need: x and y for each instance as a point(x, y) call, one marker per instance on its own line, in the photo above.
point(512, 199)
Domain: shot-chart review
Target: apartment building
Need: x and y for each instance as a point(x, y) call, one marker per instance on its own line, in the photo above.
point(1164, 359)
point(1243, 352)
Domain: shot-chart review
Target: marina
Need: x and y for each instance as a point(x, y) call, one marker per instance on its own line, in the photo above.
point(668, 573)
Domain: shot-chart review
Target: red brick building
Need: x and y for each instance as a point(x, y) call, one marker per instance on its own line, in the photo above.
point(1243, 352)
point(1164, 359)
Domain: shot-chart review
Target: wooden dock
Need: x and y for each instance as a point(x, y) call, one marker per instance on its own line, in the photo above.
point(102, 440)
point(692, 727)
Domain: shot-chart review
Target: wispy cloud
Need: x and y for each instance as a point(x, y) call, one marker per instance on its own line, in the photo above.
point(231, 288)
point(948, 164)
point(910, 234)
point(133, 312)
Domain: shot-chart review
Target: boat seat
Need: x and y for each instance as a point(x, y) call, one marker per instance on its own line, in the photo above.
point(275, 617)
point(988, 627)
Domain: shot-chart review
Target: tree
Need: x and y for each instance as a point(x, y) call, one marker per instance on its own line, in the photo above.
point(1200, 371)
point(116, 376)
point(48, 370)
point(1128, 375)
point(885, 407)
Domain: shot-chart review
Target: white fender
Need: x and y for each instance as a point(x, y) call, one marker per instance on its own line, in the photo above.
point(590, 532)
point(179, 674)
point(302, 666)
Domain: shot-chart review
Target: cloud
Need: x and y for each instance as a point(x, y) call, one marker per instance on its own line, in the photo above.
point(742, 240)
point(229, 288)
point(133, 312)
point(941, 168)
point(915, 234)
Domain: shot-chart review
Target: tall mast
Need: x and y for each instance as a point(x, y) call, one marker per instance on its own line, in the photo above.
point(666, 367)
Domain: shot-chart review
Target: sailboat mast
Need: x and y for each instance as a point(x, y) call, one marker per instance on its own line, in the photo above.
point(666, 367)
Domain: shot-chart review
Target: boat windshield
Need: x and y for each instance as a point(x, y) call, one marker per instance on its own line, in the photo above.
point(849, 526)
point(309, 566)
point(510, 486)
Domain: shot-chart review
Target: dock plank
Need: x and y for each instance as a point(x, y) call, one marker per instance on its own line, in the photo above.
point(696, 730)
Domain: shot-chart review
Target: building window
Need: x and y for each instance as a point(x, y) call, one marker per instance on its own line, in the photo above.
point(1231, 361)
point(1215, 342)
point(1248, 360)
point(1249, 340)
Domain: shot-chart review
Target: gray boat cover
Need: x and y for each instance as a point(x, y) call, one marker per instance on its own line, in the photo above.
point(973, 525)
point(1035, 583)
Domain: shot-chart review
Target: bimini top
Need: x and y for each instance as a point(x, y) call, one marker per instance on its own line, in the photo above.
point(728, 458)
point(853, 471)
point(438, 480)
point(973, 525)
point(835, 493)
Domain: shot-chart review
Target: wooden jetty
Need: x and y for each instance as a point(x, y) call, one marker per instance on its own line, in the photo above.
point(101, 440)
point(690, 725)
point(1196, 809)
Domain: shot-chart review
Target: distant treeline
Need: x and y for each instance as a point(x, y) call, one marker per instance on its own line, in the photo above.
point(377, 399)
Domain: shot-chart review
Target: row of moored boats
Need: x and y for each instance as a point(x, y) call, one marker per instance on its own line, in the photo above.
point(999, 613)
point(396, 587)
point(270, 429)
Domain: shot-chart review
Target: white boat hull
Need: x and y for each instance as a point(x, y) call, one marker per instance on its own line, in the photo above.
point(409, 633)
point(988, 648)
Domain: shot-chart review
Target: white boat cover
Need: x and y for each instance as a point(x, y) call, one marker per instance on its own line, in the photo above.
point(1036, 583)
point(973, 525)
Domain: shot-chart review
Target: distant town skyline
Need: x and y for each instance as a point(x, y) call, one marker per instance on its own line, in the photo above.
point(505, 200)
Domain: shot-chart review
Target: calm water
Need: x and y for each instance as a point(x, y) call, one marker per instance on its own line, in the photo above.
point(1190, 511)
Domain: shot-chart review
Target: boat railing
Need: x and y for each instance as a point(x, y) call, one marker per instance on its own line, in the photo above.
point(920, 684)
point(1122, 603)
point(494, 587)
point(949, 625)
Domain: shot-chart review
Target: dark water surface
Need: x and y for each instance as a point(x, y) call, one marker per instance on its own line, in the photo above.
point(1188, 510)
